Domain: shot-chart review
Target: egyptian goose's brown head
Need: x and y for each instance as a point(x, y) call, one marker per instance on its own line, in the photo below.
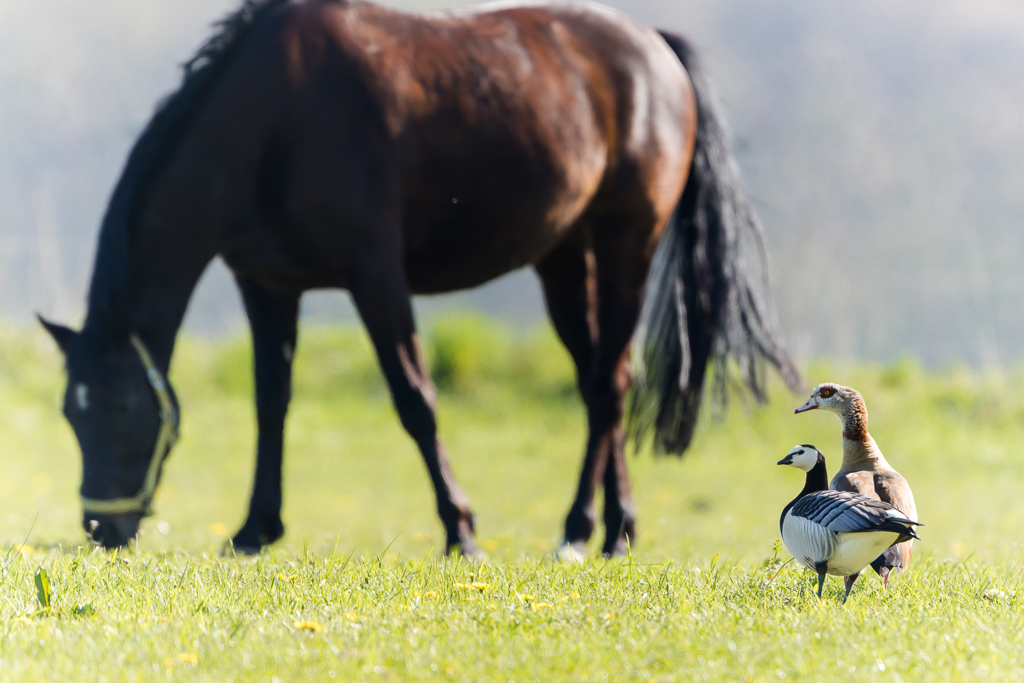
point(835, 398)
point(844, 402)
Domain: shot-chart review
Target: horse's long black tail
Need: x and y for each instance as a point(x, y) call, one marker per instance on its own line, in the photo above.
point(708, 298)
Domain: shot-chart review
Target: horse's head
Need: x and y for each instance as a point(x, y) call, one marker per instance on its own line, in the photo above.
point(124, 415)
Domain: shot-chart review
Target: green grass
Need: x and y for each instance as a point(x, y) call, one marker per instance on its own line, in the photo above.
point(702, 597)
point(312, 618)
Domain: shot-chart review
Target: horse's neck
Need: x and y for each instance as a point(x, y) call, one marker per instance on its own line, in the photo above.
point(153, 282)
point(188, 176)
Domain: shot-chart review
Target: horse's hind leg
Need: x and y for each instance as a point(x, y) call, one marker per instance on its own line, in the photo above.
point(381, 295)
point(272, 318)
point(569, 284)
point(594, 305)
point(622, 260)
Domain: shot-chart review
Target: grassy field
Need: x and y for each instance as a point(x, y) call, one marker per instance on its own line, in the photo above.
point(357, 589)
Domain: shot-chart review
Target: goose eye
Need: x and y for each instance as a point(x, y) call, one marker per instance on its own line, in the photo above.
point(827, 392)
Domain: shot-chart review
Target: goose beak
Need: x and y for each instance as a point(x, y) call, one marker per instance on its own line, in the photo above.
point(788, 460)
point(810, 405)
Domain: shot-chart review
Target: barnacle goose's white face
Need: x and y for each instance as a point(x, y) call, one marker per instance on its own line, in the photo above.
point(828, 396)
point(803, 457)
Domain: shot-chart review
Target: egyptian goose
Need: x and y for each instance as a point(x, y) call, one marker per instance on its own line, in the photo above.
point(864, 469)
point(836, 532)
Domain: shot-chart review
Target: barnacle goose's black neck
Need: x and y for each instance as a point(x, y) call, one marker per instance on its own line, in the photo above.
point(817, 480)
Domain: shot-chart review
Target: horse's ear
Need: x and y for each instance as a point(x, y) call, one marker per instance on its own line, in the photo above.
point(61, 334)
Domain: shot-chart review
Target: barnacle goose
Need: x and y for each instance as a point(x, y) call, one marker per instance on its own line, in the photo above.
point(864, 469)
point(836, 532)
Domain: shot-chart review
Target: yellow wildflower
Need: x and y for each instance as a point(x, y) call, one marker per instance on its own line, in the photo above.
point(476, 585)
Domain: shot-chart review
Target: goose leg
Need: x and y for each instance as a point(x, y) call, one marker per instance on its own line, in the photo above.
point(849, 581)
point(822, 569)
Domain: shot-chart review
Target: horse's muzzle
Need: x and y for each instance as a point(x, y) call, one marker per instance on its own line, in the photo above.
point(112, 531)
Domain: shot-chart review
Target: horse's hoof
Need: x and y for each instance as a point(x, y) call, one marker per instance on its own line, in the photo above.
point(475, 554)
point(573, 553)
point(256, 534)
point(620, 549)
point(467, 550)
point(241, 550)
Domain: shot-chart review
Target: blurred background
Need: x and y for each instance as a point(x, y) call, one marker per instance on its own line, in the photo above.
point(883, 144)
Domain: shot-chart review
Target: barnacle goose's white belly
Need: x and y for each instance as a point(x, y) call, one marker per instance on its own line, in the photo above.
point(856, 551)
point(845, 554)
point(806, 541)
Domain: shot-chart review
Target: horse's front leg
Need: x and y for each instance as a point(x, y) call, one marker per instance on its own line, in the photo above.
point(382, 297)
point(272, 317)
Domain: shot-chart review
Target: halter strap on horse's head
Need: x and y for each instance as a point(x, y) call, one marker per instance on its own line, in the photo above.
point(165, 439)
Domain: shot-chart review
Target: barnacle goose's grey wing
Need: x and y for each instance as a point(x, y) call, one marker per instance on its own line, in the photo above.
point(844, 512)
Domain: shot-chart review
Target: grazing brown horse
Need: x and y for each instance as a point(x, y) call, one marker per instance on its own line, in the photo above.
point(338, 144)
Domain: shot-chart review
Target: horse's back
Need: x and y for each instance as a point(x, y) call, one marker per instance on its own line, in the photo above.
point(484, 135)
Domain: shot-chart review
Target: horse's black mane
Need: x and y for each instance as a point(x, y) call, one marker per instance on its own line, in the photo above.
point(155, 146)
